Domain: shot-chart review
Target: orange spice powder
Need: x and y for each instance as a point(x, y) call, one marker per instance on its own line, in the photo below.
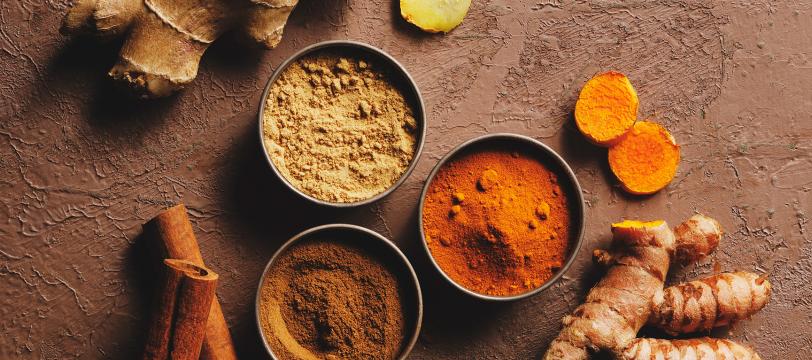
point(497, 221)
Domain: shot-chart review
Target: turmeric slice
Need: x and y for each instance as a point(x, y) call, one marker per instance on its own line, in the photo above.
point(646, 160)
point(606, 109)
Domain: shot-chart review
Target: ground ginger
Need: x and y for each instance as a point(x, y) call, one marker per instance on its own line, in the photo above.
point(338, 126)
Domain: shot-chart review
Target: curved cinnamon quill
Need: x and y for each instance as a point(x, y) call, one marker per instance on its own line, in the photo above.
point(176, 240)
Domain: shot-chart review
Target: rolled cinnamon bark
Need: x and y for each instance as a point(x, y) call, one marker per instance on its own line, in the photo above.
point(176, 239)
point(178, 326)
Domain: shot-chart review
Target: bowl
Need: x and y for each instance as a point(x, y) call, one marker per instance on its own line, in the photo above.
point(566, 178)
point(406, 84)
point(382, 248)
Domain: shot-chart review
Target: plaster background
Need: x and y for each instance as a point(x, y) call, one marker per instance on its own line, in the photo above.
point(83, 167)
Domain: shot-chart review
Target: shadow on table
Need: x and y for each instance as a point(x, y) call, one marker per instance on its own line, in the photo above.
point(79, 69)
point(143, 270)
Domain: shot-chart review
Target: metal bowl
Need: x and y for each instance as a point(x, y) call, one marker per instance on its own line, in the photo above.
point(569, 182)
point(402, 77)
point(379, 246)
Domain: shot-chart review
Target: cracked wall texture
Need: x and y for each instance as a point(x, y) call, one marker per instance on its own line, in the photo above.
point(83, 167)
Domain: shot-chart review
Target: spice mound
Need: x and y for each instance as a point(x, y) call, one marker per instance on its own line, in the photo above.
point(337, 126)
point(497, 221)
point(327, 299)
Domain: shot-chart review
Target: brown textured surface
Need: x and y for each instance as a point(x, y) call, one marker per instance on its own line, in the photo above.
point(83, 168)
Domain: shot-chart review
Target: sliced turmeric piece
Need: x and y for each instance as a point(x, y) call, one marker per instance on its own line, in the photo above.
point(606, 109)
point(646, 160)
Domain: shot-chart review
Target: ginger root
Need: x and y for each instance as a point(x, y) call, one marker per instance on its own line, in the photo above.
point(631, 295)
point(646, 160)
point(165, 39)
point(606, 109)
point(434, 15)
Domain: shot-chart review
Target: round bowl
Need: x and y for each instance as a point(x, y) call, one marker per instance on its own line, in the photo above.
point(376, 244)
point(407, 85)
point(567, 178)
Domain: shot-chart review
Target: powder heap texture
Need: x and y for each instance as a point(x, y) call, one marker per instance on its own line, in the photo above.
point(332, 300)
point(497, 221)
point(338, 128)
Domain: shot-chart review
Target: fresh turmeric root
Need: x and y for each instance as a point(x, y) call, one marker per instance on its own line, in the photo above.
point(606, 108)
point(701, 348)
point(715, 301)
point(631, 295)
point(165, 39)
point(646, 160)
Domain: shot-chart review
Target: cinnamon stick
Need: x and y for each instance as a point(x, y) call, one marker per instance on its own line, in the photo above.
point(179, 324)
point(176, 239)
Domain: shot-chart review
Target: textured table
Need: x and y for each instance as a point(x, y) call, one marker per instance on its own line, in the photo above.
point(83, 167)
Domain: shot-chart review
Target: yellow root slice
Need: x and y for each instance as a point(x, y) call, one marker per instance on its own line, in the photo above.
point(434, 15)
point(646, 160)
point(606, 109)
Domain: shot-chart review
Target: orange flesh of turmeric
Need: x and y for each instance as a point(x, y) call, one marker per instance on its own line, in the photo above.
point(637, 224)
point(606, 108)
point(646, 160)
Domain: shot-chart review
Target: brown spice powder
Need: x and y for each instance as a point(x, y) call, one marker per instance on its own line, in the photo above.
point(337, 127)
point(331, 300)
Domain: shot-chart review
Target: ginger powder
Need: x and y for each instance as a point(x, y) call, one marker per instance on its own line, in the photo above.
point(337, 126)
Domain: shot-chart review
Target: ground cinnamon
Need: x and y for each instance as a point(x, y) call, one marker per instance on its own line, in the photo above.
point(497, 221)
point(326, 299)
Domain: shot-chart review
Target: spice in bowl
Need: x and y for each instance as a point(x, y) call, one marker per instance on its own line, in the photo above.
point(496, 220)
point(338, 127)
point(325, 297)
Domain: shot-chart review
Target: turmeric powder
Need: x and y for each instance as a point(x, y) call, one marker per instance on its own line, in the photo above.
point(496, 221)
point(606, 108)
point(646, 160)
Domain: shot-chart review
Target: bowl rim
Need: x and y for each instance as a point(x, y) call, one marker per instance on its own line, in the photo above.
point(579, 214)
point(412, 340)
point(419, 112)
